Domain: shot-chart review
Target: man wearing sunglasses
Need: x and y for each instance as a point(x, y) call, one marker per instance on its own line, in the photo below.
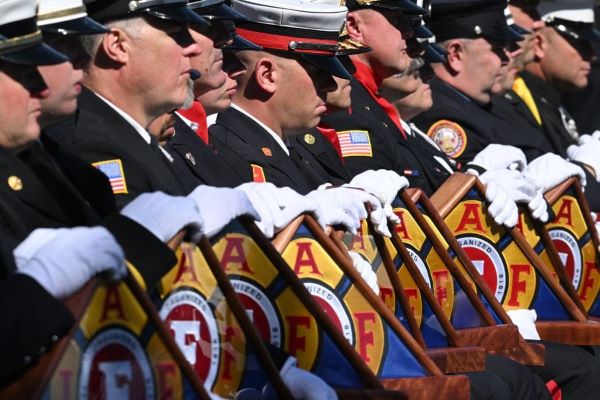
point(563, 53)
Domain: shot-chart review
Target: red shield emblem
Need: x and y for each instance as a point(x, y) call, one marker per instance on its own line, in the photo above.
point(194, 328)
point(260, 310)
point(569, 252)
point(333, 307)
point(488, 262)
point(115, 366)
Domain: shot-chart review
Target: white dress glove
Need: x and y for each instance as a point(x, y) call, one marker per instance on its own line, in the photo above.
point(165, 215)
point(502, 208)
point(219, 206)
point(539, 207)
point(383, 184)
point(520, 189)
point(64, 261)
point(365, 270)
point(277, 207)
point(588, 154)
point(499, 156)
point(305, 385)
point(525, 322)
point(346, 206)
point(583, 139)
point(549, 170)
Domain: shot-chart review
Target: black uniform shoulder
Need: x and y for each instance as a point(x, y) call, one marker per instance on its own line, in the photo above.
point(235, 131)
point(459, 126)
point(318, 159)
point(201, 160)
point(369, 140)
point(103, 138)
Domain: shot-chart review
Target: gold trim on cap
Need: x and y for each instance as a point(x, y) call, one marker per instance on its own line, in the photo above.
point(61, 13)
point(23, 41)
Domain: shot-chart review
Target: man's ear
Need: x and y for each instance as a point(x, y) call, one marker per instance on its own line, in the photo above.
point(115, 45)
point(266, 74)
point(354, 24)
point(456, 55)
point(540, 44)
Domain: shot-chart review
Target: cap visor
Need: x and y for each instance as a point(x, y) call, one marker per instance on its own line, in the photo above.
point(231, 63)
point(422, 32)
point(347, 63)
point(240, 43)
point(431, 55)
point(221, 11)
point(519, 29)
point(406, 6)
point(79, 26)
point(592, 34)
point(39, 54)
point(330, 64)
point(178, 13)
point(507, 35)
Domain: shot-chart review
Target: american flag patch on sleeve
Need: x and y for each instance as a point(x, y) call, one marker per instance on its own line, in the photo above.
point(355, 144)
point(113, 169)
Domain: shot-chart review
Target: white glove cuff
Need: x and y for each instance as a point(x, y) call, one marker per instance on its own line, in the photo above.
point(290, 362)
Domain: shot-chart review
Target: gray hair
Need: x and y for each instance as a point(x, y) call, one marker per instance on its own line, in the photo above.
point(132, 26)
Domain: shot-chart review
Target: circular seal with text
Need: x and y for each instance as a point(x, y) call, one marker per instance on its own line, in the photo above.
point(488, 262)
point(260, 310)
point(449, 136)
point(115, 366)
point(194, 328)
point(332, 307)
point(569, 252)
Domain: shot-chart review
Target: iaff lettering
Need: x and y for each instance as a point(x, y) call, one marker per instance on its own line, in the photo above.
point(471, 218)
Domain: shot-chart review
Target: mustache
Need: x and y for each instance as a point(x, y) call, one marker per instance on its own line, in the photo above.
point(415, 65)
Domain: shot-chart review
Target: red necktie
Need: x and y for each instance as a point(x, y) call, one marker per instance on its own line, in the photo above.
point(367, 78)
point(197, 115)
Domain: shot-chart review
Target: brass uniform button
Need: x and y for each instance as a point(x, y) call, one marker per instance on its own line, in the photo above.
point(15, 183)
point(310, 139)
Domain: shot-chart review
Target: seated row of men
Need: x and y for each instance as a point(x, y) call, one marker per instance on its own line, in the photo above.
point(304, 118)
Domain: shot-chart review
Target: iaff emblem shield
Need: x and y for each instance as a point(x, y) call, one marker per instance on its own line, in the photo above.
point(374, 339)
point(465, 215)
point(117, 352)
point(205, 328)
point(280, 316)
point(572, 232)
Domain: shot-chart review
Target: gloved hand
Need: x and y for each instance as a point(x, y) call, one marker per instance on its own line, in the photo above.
point(346, 206)
point(383, 184)
point(588, 154)
point(277, 207)
point(549, 170)
point(219, 206)
point(305, 385)
point(583, 139)
point(365, 270)
point(520, 190)
point(499, 156)
point(525, 322)
point(165, 215)
point(63, 264)
point(502, 209)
